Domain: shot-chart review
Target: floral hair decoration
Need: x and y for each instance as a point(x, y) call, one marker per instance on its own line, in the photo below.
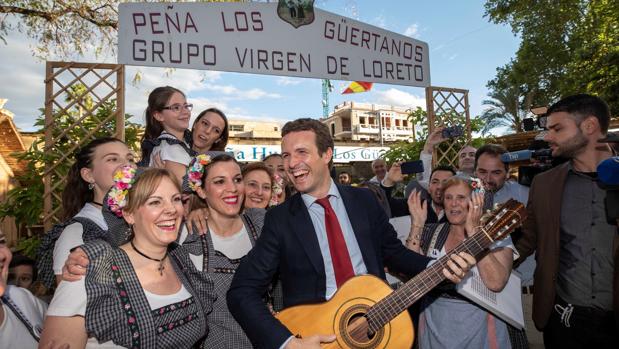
point(196, 170)
point(124, 178)
point(276, 190)
point(476, 185)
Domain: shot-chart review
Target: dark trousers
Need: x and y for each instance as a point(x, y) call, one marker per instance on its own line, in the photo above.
point(589, 328)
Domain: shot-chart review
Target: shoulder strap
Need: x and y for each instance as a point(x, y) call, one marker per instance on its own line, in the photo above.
point(434, 236)
point(249, 224)
point(149, 144)
point(34, 331)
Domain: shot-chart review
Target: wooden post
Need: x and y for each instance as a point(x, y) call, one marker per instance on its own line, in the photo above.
point(120, 103)
point(49, 141)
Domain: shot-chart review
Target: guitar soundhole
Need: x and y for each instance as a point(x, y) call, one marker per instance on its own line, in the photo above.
point(355, 329)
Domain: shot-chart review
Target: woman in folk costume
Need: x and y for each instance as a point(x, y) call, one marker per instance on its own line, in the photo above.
point(145, 293)
point(229, 237)
point(89, 179)
point(448, 320)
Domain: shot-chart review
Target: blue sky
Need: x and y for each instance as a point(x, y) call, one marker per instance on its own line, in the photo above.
point(465, 50)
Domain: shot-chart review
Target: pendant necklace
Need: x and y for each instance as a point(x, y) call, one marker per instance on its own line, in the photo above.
point(161, 266)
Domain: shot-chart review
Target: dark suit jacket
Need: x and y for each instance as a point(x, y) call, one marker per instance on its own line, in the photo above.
point(541, 232)
point(289, 246)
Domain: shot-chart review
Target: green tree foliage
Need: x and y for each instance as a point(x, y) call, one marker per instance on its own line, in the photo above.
point(25, 203)
point(506, 109)
point(65, 27)
point(567, 47)
point(408, 151)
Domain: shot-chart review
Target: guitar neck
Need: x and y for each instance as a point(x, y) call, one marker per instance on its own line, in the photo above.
point(391, 306)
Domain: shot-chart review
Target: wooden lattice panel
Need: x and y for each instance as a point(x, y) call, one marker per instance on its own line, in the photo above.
point(448, 107)
point(83, 101)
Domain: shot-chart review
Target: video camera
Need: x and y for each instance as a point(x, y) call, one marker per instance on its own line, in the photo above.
point(540, 156)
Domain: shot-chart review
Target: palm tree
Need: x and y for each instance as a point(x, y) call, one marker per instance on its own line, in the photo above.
point(507, 108)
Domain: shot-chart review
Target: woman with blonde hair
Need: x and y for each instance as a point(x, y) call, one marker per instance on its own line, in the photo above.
point(447, 319)
point(145, 293)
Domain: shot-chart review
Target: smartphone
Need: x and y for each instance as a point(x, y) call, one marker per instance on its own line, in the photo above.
point(412, 167)
point(453, 131)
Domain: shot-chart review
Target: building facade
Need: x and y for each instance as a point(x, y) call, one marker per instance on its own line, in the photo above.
point(370, 122)
point(254, 129)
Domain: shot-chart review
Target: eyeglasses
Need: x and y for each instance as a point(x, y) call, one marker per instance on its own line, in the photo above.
point(178, 107)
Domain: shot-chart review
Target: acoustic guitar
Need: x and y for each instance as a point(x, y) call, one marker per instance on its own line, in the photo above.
point(365, 313)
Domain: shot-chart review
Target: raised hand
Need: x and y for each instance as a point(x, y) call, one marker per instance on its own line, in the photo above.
point(473, 216)
point(394, 175)
point(435, 138)
point(418, 208)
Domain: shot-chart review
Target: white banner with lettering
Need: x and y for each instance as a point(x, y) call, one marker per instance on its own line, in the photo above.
point(291, 38)
point(341, 154)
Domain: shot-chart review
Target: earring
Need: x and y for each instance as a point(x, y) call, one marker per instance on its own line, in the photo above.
point(91, 186)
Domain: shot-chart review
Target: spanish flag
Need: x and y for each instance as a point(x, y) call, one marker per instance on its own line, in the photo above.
point(358, 86)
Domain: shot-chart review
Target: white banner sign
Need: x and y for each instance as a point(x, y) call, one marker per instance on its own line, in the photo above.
point(251, 153)
point(291, 38)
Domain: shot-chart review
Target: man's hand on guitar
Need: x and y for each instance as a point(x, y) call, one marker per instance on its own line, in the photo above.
point(312, 342)
point(459, 266)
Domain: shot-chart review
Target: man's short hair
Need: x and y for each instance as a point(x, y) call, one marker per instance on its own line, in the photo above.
point(378, 160)
point(443, 168)
point(273, 155)
point(581, 106)
point(324, 140)
point(495, 150)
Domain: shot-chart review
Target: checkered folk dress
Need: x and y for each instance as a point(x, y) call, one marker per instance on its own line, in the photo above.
point(448, 319)
point(45, 262)
point(117, 309)
point(224, 331)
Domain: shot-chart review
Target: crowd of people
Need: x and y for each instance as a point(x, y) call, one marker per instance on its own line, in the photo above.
point(189, 248)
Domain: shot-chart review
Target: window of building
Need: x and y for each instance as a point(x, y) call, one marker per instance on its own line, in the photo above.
point(362, 120)
point(275, 128)
point(237, 128)
point(372, 120)
point(405, 123)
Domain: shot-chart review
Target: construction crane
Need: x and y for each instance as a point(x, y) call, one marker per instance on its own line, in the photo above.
point(326, 88)
point(351, 6)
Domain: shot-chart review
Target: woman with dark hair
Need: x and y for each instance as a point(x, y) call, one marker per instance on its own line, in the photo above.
point(166, 136)
point(88, 180)
point(230, 236)
point(210, 131)
point(146, 293)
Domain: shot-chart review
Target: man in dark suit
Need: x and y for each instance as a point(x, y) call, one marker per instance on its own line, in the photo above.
point(577, 249)
point(299, 243)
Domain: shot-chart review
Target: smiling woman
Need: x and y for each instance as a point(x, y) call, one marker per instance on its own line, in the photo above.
point(133, 295)
point(230, 236)
point(166, 135)
point(258, 180)
point(449, 320)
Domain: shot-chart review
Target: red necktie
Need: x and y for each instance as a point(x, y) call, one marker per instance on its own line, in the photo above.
point(337, 245)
